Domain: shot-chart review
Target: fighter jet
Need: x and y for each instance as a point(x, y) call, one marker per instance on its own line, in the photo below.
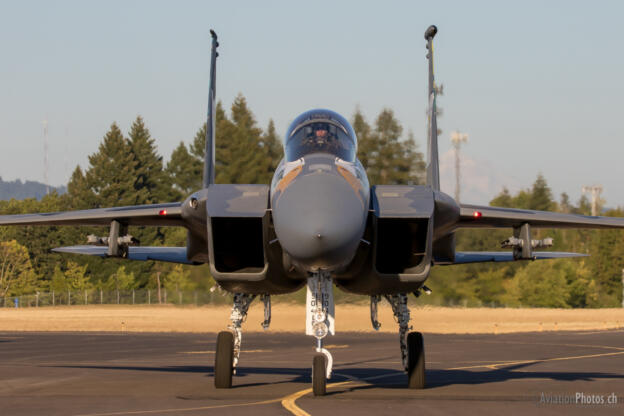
point(318, 224)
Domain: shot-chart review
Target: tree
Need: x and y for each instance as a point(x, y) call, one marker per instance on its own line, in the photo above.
point(386, 158)
point(185, 171)
point(151, 184)
point(17, 276)
point(111, 175)
point(540, 196)
point(120, 280)
point(76, 276)
point(59, 282)
point(79, 193)
point(272, 146)
point(565, 205)
point(178, 279)
point(541, 284)
point(243, 153)
point(241, 158)
point(503, 199)
point(367, 151)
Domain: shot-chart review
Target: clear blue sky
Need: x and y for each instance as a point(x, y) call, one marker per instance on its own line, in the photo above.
point(537, 85)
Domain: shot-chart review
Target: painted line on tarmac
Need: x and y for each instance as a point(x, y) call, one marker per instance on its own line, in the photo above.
point(556, 344)
point(185, 409)
point(289, 404)
point(495, 366)
point(212, 352)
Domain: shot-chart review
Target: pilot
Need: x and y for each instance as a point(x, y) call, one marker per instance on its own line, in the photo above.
point(321, 134)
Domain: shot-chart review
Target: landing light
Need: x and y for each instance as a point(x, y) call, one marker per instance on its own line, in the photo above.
point(476, 214)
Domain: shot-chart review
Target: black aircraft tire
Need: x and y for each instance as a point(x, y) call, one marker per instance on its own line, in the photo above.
point(415, 361)
point(319, 380)
point(224, 358)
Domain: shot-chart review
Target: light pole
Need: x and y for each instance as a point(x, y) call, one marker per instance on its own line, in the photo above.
point(595, 191)
point(457, 139)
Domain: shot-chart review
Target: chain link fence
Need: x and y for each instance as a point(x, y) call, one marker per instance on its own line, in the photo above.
point(215, 296)
point(117, 297)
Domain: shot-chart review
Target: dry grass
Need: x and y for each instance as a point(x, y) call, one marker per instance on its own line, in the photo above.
point(291, 318)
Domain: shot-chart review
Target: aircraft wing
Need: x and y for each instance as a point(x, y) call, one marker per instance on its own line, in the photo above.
point(169, 214)
point(476, 216)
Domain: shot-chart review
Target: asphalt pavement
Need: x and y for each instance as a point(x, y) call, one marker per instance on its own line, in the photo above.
point(171, 374)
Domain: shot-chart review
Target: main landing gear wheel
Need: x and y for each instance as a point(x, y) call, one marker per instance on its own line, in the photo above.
point(415, 361)
point(224, 358)
point(319, 375)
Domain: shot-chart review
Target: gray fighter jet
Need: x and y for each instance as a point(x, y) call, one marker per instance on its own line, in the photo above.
point(319, 223)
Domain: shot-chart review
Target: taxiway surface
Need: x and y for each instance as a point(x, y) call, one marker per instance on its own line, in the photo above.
point(171, 374)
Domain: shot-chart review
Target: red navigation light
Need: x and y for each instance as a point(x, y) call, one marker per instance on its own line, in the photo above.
point(476, 214)
point(162, 212)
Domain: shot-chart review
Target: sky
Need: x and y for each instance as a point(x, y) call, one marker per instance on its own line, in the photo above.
point(536, 85)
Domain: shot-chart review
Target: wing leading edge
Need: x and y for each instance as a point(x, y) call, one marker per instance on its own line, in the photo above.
point(476, 216)
point(169, 214)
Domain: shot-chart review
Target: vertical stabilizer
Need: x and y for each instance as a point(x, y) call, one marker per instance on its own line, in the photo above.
point(209, 155)
point(433, 163)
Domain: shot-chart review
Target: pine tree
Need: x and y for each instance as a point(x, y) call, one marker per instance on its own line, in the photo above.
point(111, 175)
point(367, 152)
point(185, 171)
point(272, 146)
point(79, 193)
point(244, 154)
point(540, 196)
point(503, 199)
point(244, 160)
point(387, 158)
point(151, 185)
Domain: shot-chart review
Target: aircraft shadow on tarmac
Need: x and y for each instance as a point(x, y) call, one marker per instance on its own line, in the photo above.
point(379, 377)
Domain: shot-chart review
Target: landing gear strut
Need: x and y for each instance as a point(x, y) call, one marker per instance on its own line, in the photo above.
point(229, 342)
point(412, 345)
point(320, 322)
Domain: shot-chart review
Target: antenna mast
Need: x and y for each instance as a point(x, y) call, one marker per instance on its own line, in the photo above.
point(457, 139)
point(45, 156)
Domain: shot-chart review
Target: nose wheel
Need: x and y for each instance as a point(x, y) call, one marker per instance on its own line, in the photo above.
point(319, 375)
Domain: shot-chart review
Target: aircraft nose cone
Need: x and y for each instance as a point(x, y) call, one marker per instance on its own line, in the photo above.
point(319, 220)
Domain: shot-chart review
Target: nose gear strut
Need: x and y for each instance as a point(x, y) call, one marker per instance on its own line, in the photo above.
point(319, 323)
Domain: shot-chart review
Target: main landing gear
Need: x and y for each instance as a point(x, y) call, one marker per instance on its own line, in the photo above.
point(229, 342)
point(412, 344)
point(319, 323)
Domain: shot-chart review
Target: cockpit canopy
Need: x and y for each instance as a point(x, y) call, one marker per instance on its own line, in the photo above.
point(320, 131)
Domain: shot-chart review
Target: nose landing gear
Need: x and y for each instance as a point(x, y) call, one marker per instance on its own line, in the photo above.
point(319, 323)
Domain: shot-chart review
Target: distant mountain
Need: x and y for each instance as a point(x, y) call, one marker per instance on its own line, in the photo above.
point(22, 190)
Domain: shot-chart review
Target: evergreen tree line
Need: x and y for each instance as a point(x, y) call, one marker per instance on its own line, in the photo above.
point(127, 169)
point(594, 281)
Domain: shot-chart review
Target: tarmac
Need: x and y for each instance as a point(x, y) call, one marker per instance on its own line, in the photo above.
point(171, 374)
